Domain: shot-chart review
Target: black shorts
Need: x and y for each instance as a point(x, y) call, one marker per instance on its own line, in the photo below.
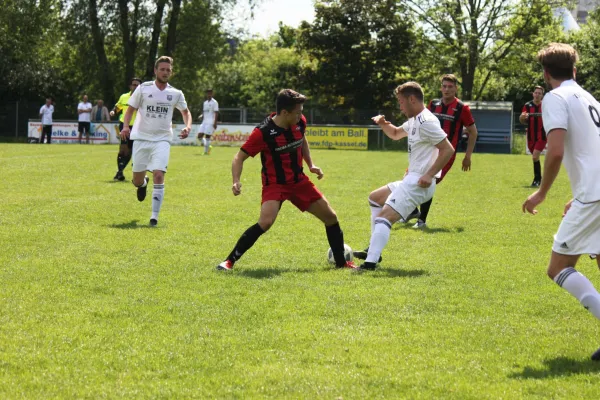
point(84, 126)
point(47, 129)
point(128, 142)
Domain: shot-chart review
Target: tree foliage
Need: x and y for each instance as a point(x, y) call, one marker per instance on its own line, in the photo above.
point(480, 34)
point(358, 48)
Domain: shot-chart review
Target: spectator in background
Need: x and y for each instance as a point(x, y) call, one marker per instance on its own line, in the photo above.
point(100, 112)
point(536, 135)
point(46, 117)
point(210, 115)
point(84, 109)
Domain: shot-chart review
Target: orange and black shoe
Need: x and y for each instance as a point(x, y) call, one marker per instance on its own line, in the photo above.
point(226, 265)
point(348, 264)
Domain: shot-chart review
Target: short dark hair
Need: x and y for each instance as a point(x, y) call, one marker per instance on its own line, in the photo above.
point(539, 87)
point(136, 79)
point(163, 59)
point(558, 59)
point(410, 89)
point(287, 99)
point(450, 78)
point(209, 90)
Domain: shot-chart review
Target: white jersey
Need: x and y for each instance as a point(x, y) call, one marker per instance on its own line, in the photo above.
point(571, 108)
point(85, 116)
point(424, 133)
point(209, 109)
point(155, 111)
point(46, 112)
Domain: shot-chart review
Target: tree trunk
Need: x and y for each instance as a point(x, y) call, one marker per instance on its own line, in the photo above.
point(156, 28)
point(106, 76)
point(172, 29)
point(128, 51)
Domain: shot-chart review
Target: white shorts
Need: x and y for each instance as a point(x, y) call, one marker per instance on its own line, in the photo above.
point(207, 129)
point(579, 231)
point(150, 156)
point(406, 194)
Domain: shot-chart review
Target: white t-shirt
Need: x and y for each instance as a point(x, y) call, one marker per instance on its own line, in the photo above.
point(208, 111)
point(155, 111)
point(85, 116)
point(571, 108)
point(46, 112)
point(424, 133)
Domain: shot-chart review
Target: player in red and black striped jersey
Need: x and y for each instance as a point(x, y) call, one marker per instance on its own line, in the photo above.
point(282, 147)
point(453, 115)
point(536, 135)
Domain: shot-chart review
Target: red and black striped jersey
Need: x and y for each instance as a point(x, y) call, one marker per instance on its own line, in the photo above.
point(453, 117)
point(280, 151)
point(535, 125)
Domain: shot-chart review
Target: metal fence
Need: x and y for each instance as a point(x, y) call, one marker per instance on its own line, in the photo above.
point(15, 115)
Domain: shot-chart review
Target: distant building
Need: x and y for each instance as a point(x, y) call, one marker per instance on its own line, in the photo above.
point(568, 21)
point(583, 8)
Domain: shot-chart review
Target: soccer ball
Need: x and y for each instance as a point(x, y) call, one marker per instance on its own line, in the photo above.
point(347, 254)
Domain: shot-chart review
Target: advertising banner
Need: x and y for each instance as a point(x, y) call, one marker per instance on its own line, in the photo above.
point(66, 132)
point(336, 137)
point(319, 137)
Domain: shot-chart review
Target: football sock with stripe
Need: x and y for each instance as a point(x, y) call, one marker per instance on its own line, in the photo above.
point(581, 288)
point(375, 210)
point(425, 210)
point(246, 241)
point(335, 237)
point(158, 193)
point(379, 238)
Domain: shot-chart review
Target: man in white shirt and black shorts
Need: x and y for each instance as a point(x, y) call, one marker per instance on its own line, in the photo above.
point(572, 123)
point(428, 151)
point(152, 133)
point(46, 112)
point(210, 115)
point(84, 109)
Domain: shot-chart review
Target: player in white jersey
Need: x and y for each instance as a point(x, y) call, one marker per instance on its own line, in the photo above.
point(572, 123)
point(210, 115)
point(428, 151)
point(154, 102)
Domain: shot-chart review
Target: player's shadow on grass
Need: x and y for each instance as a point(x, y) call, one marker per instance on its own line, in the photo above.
point(268, 273)
point(458, 229)
point(129, 225)
point(560, 366)
point(395, 273)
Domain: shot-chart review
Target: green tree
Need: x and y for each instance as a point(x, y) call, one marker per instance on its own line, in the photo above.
point(587, 42)
point(480, 34)
point(358, 49)
point(254, 74)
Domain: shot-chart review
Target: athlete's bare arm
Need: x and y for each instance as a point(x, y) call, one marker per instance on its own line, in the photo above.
point(391, 131)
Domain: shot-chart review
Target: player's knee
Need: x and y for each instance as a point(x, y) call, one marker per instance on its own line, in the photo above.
point(266, 223)
point(554, 270)
point(374, 198)
point(330, 219)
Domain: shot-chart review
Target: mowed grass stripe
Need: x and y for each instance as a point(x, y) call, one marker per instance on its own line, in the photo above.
point(95, 304)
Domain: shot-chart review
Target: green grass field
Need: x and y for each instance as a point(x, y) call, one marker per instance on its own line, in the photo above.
point(94, 304)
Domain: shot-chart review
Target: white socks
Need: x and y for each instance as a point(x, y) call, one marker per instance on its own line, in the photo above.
point(206, 145)
point(375, 210)
point(581, 288)
point(158, 192)
point(379, 238)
